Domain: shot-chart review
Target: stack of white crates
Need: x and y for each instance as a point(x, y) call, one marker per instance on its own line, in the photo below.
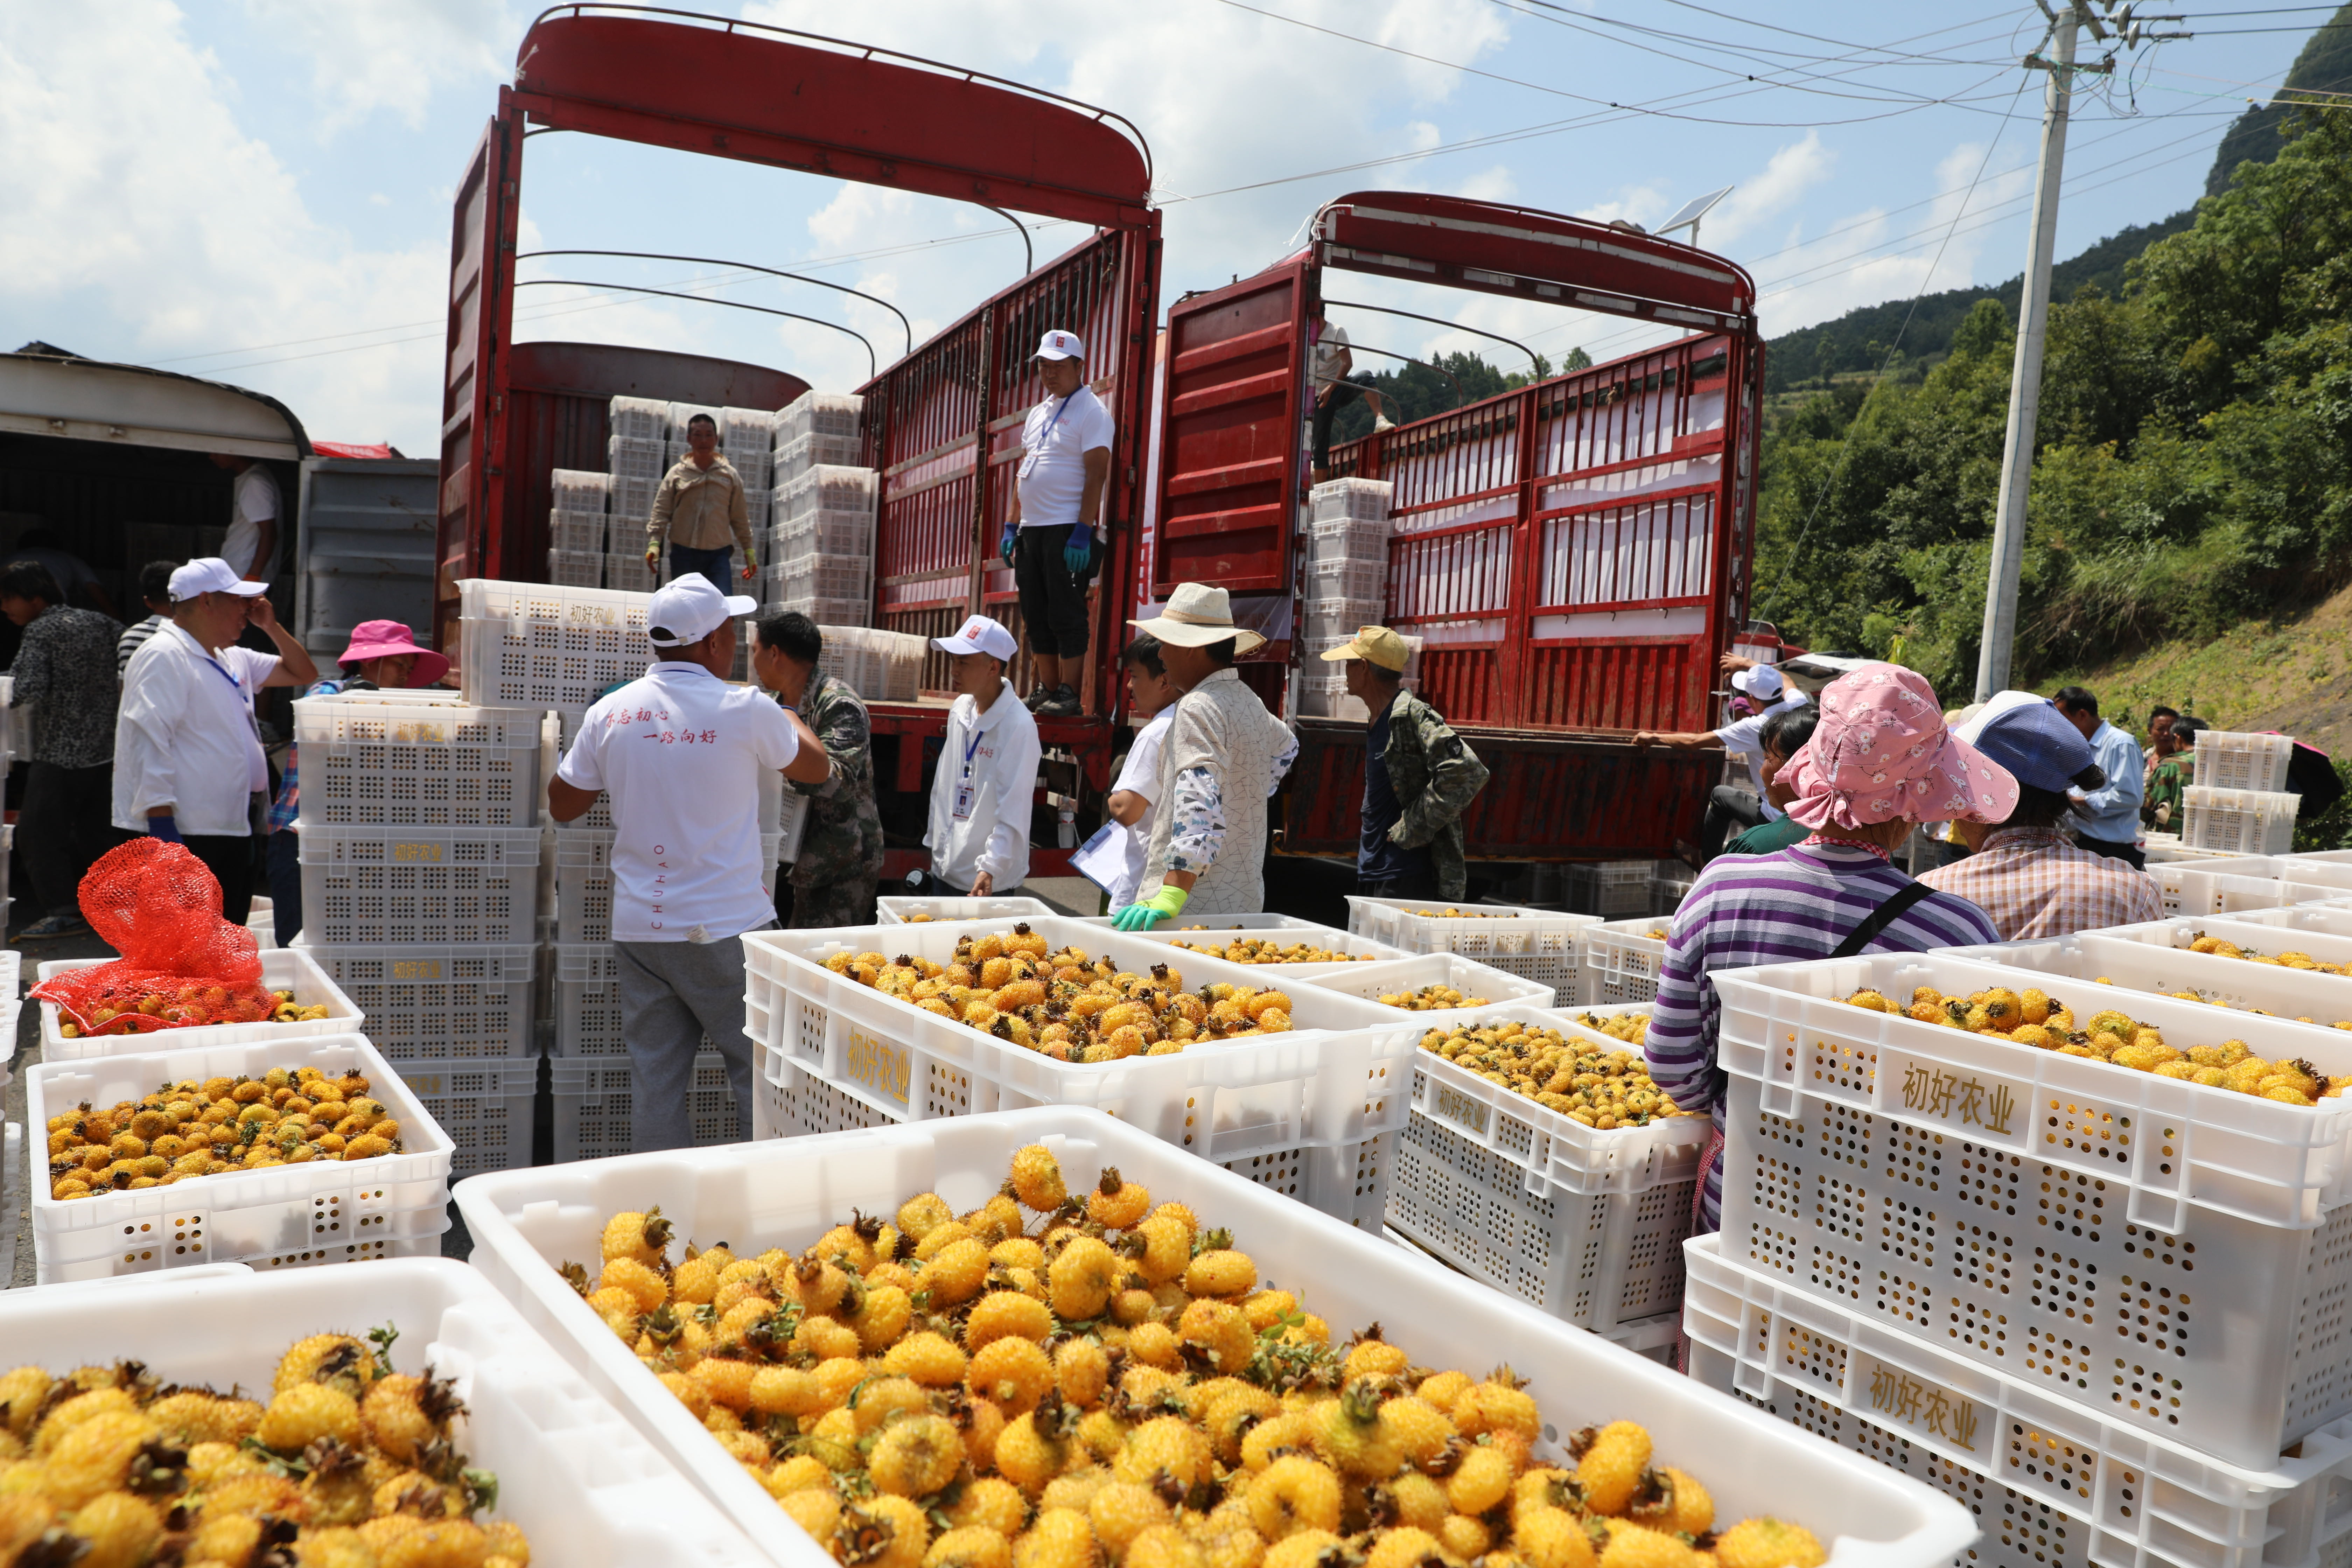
point(2240, 803)
point(879, 666)
point(746, 436)
point(820, 548)
point(420, 860)
point(576, 528)
point(1347, 583)
point(637, 455)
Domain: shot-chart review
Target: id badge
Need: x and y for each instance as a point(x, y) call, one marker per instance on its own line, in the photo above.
point(1029, 462)
point(964, 795)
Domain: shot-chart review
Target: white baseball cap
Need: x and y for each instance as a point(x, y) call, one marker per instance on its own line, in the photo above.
point(685, 612)
point(981, 635)
point(1059, 344)
point(211, 574)
point(1760, 681)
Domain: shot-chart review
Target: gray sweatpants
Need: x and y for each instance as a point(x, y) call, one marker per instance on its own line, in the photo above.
point(673, 994)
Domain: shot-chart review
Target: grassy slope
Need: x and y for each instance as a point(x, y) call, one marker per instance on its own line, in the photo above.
point(2292, 675)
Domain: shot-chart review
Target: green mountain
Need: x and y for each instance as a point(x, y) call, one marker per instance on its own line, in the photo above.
point(2323, 66)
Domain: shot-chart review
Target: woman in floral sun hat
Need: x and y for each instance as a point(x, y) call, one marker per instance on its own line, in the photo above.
point(1880, 760)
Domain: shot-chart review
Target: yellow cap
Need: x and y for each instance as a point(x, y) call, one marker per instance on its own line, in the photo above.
point(1377, 644)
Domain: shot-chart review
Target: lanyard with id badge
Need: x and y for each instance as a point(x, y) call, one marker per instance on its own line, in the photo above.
point(1029, 458)
point(965, 796)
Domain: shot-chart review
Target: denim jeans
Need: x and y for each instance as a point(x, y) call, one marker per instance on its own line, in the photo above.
point(715, 565)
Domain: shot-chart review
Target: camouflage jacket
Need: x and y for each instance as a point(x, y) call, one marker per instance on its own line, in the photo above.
point(1435, 777)
point(844, 836)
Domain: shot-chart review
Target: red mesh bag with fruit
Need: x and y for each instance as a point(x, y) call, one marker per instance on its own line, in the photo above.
point(182, 965)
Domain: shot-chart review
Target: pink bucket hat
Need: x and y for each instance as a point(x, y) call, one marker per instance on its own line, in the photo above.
point(390, 639)
point(1882, 751)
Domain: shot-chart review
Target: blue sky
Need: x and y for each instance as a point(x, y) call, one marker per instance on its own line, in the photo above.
point(259, 190)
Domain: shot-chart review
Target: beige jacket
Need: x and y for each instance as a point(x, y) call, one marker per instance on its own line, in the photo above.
point(702, 509)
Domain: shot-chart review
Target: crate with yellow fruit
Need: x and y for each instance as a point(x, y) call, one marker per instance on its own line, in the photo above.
point(1541, 1159)
point(1435, 982)
point(1622, 958)
point(1304, 1089)
point(2140, 1202)
point(303, 1000)
point(1280, 942)
point(1043, 1336)
point(1535, 944)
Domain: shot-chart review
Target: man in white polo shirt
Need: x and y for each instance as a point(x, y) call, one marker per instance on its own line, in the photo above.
point(1052, 542)
point(187, 757)
point(978, 831)
point(681, 751)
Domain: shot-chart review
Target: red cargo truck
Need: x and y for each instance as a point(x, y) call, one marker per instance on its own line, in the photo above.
point(1528, 588)
point(1574, 554)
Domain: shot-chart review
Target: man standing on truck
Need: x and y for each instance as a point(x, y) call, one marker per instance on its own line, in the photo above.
point(1330, 362)
point(701, 513)
point(1224, 756)
point(1051, 541)
point(254, 505)
point(680, 750)
point(1419, 778)
point(840, 862)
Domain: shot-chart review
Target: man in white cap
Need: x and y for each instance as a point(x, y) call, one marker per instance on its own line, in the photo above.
point(1052, 540)
point(1224, 754)
point(681, 751)
point(987, 777)
point(1729, 809)
point(187, 756)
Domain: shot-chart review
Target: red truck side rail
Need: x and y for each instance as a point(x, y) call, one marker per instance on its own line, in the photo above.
point(1573, 554)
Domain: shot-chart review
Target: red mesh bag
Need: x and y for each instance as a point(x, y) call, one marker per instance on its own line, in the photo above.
point(181, 964)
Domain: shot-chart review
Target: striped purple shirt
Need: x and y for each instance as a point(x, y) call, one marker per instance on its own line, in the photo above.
point(1747, 910)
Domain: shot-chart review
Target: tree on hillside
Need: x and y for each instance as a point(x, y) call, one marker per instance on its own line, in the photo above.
point(2323, 66)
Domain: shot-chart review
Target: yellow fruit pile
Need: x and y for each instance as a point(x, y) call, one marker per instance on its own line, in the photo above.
point(1450, 913)
point(956, 1391)
point(1431, 998)
point(195, 1004)
point(1604, 1090)
point(1265, 950)
point(190, 1129)
point(2223, 948)
point(349, 1465)
point(1067, 1005)
point(2032, 1017)
point(1634, 1028)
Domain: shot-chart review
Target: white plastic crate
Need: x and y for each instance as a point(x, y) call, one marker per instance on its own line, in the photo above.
point(2237, 759)
point(1317, 1101)
point(592, 1097)
point(828, 488)
point(1365, 500)
point(879, 666)
point(820, 413)
point(1338, 620)
point(681, 414)
point(421, 765)
point(2242, 882)
point(587, 999)
point(742, 431)
point(786, 1194)
point(11, 1197)
point(1326, 697)
point(377, 884)
point(583, 881)
point(12, 1004)
point(638, 418)
point(470, 1002)
point(1621, 959)
point(579, 491)
point(627, 571)
point(568, 569)
point(2055, 1484)
point(2081, 1227)
point(825, 612)
point(1579, 1224)
point(580, 533)
point(282, 969)
point(1670, 884)
point(583, 1484)
point(482, 1104)
point(278, 1216)
point(629, 503)
point(1613, 890)
point(1539, 944)
point(891, 911)
point(2158, 848)
point(759, 509)
point(530, 645)
point(1370, 982)
point(1214, 930)
point(1345, 579)
point(2249, 821)
point(634, 457)
point(826, 576)
point(1349, 538)
point(844, 533)
point(806, 450)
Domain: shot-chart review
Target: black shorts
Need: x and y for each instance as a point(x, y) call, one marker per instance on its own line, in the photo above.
point(1053, 597)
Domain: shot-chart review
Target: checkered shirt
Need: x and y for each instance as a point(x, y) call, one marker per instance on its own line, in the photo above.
point(2034, 882)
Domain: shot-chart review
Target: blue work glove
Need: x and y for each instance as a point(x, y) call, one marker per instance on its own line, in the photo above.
point(1164, 905)
point(166, 828)
point(1004, 545)
point(1080, 553)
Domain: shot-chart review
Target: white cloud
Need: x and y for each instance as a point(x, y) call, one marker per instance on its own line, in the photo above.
point(1789, 172)
point(383, 56)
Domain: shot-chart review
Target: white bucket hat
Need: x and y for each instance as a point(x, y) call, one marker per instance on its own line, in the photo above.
point(1196, 615)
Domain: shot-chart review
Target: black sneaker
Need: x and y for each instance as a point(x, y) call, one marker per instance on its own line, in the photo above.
point(1038, 700)
point(1062, 704)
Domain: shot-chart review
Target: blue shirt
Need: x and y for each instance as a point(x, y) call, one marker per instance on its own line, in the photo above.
point(1377, 859)
point(2112, 814)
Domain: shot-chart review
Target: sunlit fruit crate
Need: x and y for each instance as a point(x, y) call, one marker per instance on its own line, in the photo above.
point(1539, 944)
point(282, 969)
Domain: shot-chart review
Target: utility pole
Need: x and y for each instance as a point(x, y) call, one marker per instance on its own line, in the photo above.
point(2033, 320)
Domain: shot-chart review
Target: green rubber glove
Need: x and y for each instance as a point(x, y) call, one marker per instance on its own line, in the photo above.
point(1164, 905)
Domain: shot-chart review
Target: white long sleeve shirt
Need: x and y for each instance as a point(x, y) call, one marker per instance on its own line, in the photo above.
point(981, 793)
point(184, 735)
